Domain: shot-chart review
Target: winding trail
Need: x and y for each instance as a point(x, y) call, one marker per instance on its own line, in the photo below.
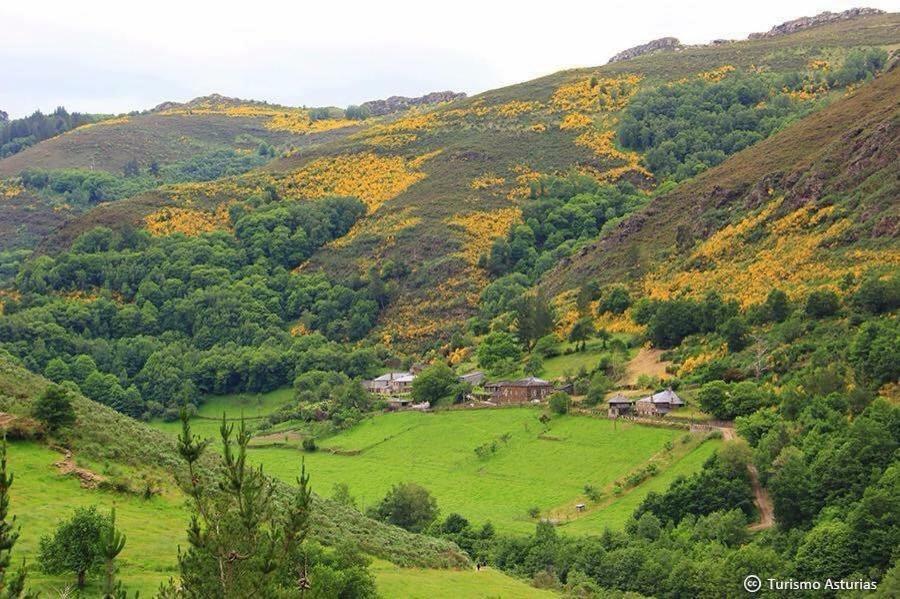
point(760, 494)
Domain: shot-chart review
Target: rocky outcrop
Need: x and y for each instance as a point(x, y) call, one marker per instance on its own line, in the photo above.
point(398, 103)
point(663, 44)
point(820, 19)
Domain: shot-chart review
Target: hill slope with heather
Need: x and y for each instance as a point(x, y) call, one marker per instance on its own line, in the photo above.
point(441, 184)
point(804, 208)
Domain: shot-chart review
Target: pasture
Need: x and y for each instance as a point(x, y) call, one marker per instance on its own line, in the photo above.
point(521, 463)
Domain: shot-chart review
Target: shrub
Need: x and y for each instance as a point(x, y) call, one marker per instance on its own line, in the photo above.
point(54, 408)
point(309, 445)
point(559, 402)
point(408, 506)
point(614, 300)
point(822, 303)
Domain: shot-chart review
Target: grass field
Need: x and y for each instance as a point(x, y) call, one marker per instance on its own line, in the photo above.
point(534, 467)
point(616, 514)
point(249, 405)
point(463, 584)
point(41, 497)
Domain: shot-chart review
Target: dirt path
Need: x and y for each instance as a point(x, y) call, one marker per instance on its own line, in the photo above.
point(760, 495)
point(647, 361)
point(88, 479)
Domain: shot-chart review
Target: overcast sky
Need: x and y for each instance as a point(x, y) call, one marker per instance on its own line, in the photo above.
point(115, 55)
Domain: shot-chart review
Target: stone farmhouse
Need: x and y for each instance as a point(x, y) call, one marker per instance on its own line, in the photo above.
point(658, 404)
point(529, 389)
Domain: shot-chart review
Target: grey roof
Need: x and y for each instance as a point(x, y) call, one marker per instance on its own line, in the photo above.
point(394, 376)
point(668, 396)
point(619, 398)
point(531, 381)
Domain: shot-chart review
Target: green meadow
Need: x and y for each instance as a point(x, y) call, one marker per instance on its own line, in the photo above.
point(416, 583)
point(41, 497)
point(531, 465)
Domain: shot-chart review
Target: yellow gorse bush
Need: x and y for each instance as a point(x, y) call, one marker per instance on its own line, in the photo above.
point(372, 178)
point(576, 120)
point(486, 180)
point(482, 228)
point(186, 220)
point(279, 118)
point(716, 75)
point(11, 187)
point(791, 254)
point(593, 94)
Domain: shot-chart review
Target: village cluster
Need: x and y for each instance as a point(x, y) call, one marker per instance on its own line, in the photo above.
point(396, 388)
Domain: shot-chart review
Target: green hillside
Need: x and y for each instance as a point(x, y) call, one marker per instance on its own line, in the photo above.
point(787, 209)
point(536, 466)
point(692, 255)
point(464, 168)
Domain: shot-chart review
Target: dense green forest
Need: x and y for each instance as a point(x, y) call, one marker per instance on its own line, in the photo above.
point(18, 134)
point(687, 127)
point(158, 321)
point(84, 188)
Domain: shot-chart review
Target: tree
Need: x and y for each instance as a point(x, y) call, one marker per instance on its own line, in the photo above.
point(534, 319)
point(878, 296)
point(615, 299)
point(776, 306)
point(713, 397)
point(873, 352)
point(534, 365)
point(435, 383)
point(735, 330)
point(13, 585)
point(244, 540)
point(76, 545)
point(559, 402)
point(791, 488)
point(581, 332)
point(57, 370)
point(822, 303)
point(111, 544)
point(497, 348)
point(408, 506)
point(600, 385)
point(54, 408)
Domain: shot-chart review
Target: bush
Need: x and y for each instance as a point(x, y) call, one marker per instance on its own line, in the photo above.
point(408, 506)
point(309, 445)
point(614, 300)
point(54, 408)
point(822, 304)
point(559, 402)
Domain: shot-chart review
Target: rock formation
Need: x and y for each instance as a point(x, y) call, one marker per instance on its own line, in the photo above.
point(398, 103)
point(660, 45)
point(820, 19)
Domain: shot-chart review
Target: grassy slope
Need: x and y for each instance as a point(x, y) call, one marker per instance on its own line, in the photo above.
point(452, 584)
point(102, 436)
point(41, 497)
point(437, 451)
point(616, 514)
point(846, 151)
point(445, 281)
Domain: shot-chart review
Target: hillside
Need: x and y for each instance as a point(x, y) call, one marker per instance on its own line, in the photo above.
point(803, 208)
point(442, 183)
point(135, 454)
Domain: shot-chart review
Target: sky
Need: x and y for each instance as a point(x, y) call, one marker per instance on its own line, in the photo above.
point(108, 56)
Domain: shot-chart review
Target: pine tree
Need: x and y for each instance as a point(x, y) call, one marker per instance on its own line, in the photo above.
point(14, 585)
point(243, 541)
point(112, 541)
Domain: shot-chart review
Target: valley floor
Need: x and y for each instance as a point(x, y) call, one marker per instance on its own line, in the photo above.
point(531, 465)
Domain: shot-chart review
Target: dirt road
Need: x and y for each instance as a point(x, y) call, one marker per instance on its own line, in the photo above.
point(760, 495)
